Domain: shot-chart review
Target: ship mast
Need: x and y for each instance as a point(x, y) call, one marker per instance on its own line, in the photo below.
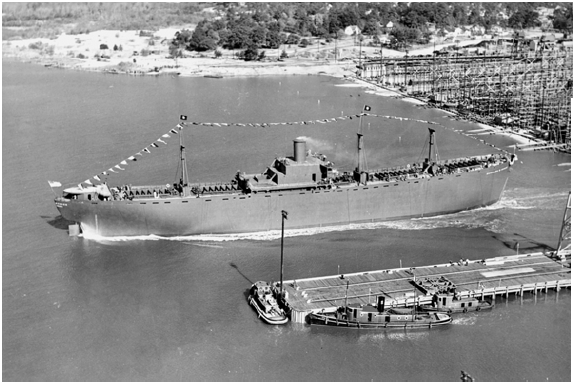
point(359, 176)
point(431, 143)
point(184, 176)
point(284, 215)
point(360, 151)
point(360, 166)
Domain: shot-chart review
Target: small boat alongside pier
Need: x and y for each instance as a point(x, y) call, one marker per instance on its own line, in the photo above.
point(375, 317)
point(450, 303)
point(262, 299)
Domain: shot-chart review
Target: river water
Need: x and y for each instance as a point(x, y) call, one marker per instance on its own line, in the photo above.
point(152, 309)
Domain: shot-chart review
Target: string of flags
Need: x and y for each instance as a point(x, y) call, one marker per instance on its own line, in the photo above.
point(175, 131)
point(54, 184)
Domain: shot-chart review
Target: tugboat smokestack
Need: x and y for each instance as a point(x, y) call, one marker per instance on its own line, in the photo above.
point(299, 150)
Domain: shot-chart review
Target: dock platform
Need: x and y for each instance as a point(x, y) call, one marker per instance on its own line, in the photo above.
point(407, 286)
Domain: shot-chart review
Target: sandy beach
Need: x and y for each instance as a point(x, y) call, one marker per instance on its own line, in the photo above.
point(83, 52)
point(124, 56)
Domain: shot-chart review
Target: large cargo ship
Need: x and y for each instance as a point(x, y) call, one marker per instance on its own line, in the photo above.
point(306, 185)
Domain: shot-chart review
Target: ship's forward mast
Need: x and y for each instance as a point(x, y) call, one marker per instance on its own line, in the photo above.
point(360, 175)
point(433, 158)
point(184, 175)
point(432, 144)
point(361, 171)
point(184, 179)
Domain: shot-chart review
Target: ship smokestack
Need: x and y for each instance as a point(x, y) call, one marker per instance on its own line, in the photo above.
point(299, 150)
point(380, 303)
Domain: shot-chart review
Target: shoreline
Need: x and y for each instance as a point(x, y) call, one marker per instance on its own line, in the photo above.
point(127, 52)
point(63, 53)
point(301, 70)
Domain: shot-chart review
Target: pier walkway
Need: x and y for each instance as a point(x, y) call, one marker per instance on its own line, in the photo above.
point(405, 286)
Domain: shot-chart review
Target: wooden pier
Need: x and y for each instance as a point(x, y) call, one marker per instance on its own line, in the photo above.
point(405, 286)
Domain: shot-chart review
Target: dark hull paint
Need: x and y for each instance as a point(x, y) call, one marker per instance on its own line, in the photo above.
point(481, 307)
point(240, 213)
point(331, 321)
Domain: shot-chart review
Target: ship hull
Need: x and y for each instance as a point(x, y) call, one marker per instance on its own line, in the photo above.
point(420, 322)
point(255, 212)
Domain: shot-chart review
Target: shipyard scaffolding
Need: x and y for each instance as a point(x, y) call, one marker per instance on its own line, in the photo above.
point(564, 244)
point(518, 90)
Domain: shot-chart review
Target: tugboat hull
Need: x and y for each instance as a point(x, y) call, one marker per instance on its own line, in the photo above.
point(262, 298)
point(270, 319)
point(383, 321)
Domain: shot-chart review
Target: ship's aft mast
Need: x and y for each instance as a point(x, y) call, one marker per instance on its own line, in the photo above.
point(431, 143)
point(184, 176)
point(359, 174)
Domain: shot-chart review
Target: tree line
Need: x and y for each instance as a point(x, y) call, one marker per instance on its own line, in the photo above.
point(270, 25)
point(251, 26)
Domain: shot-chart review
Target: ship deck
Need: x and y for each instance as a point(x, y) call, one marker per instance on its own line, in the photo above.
point(405, 286)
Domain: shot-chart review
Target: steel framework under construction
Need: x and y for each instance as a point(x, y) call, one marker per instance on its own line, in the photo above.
point(529, 91)
point(564, 245)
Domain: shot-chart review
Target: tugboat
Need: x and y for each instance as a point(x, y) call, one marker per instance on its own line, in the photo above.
point(449, 303)
point(375, 317)
point(262, 298)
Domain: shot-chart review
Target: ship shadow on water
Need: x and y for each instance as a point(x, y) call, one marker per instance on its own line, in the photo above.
point(522, 244)
point(355, 335)
point(246, 292)
point(57, 222)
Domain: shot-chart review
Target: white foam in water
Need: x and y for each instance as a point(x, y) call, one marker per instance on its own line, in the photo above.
point(541, 195)
point(565, 165)
point(503, 204)
point(395, 334)
point(464, 320)
point(380, 92)
point(349, 85)
point(414, 224)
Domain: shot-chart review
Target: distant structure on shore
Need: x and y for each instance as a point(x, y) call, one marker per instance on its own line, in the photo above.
point(528, 85)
